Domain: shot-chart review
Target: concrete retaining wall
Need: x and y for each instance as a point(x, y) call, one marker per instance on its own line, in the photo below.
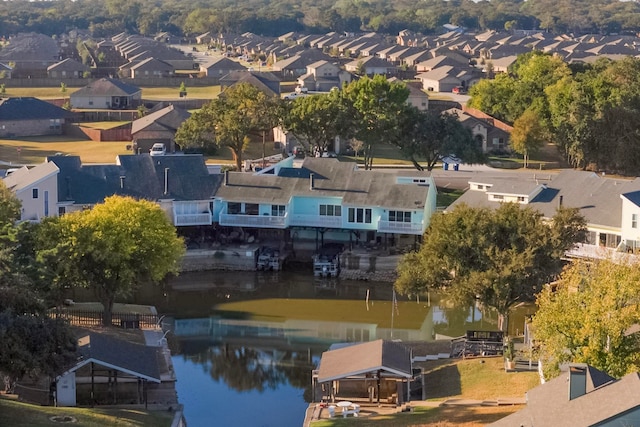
point(240, 259)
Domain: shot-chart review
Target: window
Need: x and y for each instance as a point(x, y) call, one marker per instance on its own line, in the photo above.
point(330, 210)
point(360, 215)
point(252, 209)
point(61, 210)
point(277, 210)
point(234, 208)
point(399, 216)
point(54, 124)
point(498, 197)
point(634, 220)
point(35, 193)
point(521, 199)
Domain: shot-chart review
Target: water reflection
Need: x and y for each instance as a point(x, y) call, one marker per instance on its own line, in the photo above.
point(253, 338)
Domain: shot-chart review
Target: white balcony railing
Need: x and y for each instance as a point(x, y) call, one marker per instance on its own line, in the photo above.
point(315, 221)
point(193, 219)
point(399, 227)
point(264, 221)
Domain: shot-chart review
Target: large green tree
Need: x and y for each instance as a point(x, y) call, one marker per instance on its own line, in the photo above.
point(377, 104)
point(528, 134)
point(499, 257)
point(427, 136)
point(229, 120)
point(112, 248)
point(588, 317)
point(317, 120)
point(31, 343)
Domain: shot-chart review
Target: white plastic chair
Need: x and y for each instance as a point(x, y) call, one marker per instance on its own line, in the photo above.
point(332, 411)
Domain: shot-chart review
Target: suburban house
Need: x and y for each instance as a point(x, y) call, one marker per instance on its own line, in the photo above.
point(610, 206)
point(327, 198)
point(220, 67)
point(158, 127)
point(490, 134)
point(180, 184)
point(151, 67)
point(30, 54)
point(37, 190)
point(67, 68)
point(445, 78)
point(296, 65)
point(371, 65)
point(582, 396)
point(322, 76)
point(107, 93)
point(417, 97)
point(266, 82)
point(28, 116)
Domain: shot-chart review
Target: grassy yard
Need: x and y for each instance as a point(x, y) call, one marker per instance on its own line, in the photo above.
point(17, 414)
point(34, 150)
point(201, 92)
point(477, 379)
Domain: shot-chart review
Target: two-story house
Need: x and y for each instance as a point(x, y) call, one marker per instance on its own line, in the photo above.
point(322, 76)
point(610, 206)
point(328, 198)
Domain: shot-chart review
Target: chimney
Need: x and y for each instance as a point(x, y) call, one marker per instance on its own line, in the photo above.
point(577, 381)
point(226, 177)
point(122, 182)
point(166, 181)
point(312, 182)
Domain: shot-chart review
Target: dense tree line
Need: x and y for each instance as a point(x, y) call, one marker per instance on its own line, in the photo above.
point(274, 18)
point(589, 111)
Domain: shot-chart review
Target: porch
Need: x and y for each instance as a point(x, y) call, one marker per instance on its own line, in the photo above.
point(400, 227)
point(243, 220)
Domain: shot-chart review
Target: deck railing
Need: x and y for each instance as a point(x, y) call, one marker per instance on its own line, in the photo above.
point(94, 318)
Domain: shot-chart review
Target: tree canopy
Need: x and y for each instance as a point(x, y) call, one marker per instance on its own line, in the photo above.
point(32, 342)
point(427, 136)
point(498, 257)
point(230, 119)
point(377, 104)
point(111, 248)
point(587, 317)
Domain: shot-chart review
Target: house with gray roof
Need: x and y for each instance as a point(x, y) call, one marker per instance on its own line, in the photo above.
point(345, 203)
point(66, 69)
point(30, 54)
point(322, 76)
point(158, 127)
point(37, 190)
point(107, 93)
point(372, 65)
point(610, 206)
point(150, 68)
point(582, 396)
point(445, 78)
point(264, 81)
point(220, 67)
point(28, 116)
point(180, 184)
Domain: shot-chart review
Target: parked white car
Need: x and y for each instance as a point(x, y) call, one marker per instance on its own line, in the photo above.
point(158, 149)
point(294, 95)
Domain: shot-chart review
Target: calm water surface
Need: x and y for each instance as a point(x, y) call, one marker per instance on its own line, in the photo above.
point(244, 344)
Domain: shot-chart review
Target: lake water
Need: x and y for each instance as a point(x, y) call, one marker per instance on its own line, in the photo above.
point(244, 344)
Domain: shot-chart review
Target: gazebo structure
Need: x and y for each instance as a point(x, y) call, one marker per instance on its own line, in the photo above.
point(378, 370)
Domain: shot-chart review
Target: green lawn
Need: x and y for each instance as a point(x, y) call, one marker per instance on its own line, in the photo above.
point(477, 379)
point(34, 150)
point(203, 92)
point(17, 414)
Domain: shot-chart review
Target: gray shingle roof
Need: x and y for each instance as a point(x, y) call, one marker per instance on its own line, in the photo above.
point(107, 87)
point(138, 176)
point(127, 356)
point(597, 197)
point(548, 405)
point(29, 108)
point(332, 178)
point(169, 118)
point(391, 358)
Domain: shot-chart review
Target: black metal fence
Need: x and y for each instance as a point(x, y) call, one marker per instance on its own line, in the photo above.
point(94, 318)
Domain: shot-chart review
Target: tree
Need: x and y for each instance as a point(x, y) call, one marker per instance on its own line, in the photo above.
point(317, 120)
point(428, 135)
point(528, 134)
point(32, 343)
point(226, 121)
point(586, 318)
point(111, 249)
point(498, 257)
point(376, 103)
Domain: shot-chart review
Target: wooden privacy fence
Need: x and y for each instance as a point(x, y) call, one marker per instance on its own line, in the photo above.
point(94, 318)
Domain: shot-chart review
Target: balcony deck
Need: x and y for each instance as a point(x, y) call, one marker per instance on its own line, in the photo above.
point(400, 227)
point(240, 220)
